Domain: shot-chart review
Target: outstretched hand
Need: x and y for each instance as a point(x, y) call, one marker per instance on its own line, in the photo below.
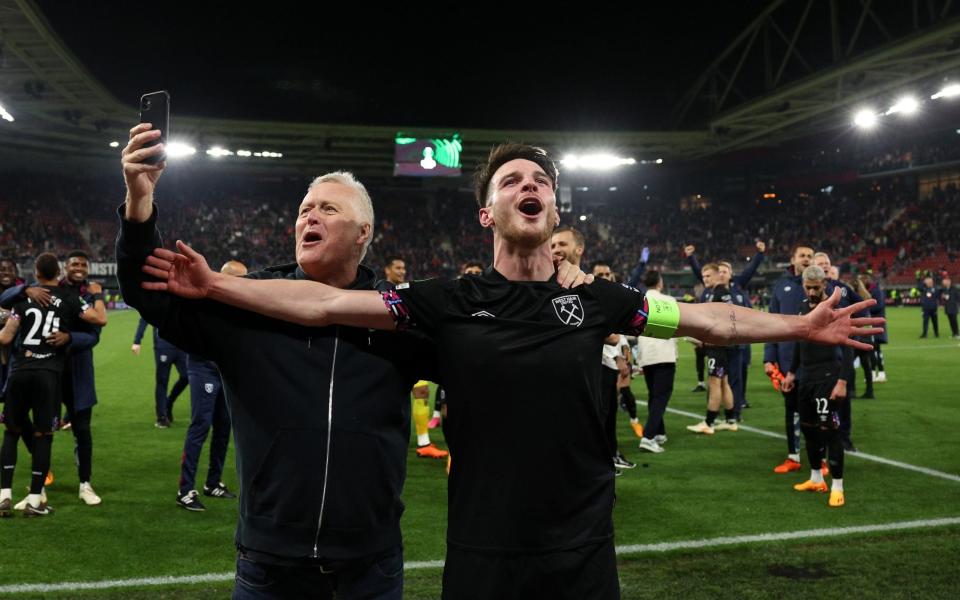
point(184, 274)
point(835, 327)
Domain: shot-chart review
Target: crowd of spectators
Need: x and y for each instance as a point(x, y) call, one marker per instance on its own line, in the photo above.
point(878, 226)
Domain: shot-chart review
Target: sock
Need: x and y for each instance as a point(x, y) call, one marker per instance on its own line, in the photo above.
point(8, 458)
point(421, 420)
point(436, 414)
point(700, 383)
point(730, 414)
point(794, 457)
point(816, 476)
point(712, 416)
point(6, 494)
point(634, 420)
point(837, 485)
point(629, 403)
point(33, 500)
point(423, 439)
point(41, 462)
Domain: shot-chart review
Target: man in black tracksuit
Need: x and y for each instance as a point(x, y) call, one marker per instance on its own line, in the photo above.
point(321, 415)
point(930, 303)
point(949, 295)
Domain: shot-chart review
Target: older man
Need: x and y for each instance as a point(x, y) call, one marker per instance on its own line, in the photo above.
point(321, 416)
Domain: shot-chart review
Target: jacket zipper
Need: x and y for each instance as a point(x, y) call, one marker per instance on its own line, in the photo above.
point(326, 463)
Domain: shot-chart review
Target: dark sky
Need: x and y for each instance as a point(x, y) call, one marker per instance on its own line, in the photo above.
point(613, 68)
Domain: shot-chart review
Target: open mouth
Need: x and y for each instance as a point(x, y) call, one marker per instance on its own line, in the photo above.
point(311, 236)
point(531, 206)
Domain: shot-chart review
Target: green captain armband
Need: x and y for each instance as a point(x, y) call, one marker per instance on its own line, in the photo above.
point(663, 316)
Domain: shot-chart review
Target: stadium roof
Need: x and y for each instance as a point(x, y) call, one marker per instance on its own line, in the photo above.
point(332, 89)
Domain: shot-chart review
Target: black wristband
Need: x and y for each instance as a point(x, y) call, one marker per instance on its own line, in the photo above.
point(97, 297)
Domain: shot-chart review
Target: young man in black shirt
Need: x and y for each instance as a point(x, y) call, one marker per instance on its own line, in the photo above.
point(34, 386)
point(514, 533)
point(821, 373)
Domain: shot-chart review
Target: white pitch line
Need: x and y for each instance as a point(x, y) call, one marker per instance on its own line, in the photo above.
point(886, 350)
point(786, 535)
point(863, 455)
point(23, 588)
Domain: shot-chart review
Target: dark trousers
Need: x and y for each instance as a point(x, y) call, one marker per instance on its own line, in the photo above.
point(928, 316)
point(659, 380)
point(954, 331)
point(165, 357)
point(377, 577)
point(745, 368)
point(866, 363)
point(791, 413)
point(735, 376)
point(574, 574)
point(700, 354)
point(608, 407)
point(208, 410)
point(83, 443)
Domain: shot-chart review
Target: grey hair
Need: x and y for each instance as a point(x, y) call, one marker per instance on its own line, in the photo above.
point(816, 254)
point(364, 203)
point(814, 273)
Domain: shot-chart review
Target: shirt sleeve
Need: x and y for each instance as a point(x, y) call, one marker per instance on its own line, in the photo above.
point(420, 304)
point(624, 307)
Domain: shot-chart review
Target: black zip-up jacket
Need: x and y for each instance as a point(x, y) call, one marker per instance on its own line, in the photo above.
point(321, 416)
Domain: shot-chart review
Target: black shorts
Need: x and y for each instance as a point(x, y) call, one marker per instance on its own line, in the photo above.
point(36, 394)
point(718, 361)
point(585, 572)
point(816, 407)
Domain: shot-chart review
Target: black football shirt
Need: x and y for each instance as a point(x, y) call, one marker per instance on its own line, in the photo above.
point(518, 360)
point(38, 322)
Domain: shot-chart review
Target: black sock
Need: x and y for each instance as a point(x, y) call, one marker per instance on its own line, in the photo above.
point(8, 459)
point(628, 402)
point(835, 452)
point(814, 445)
point(712, 416)
point(730, 414)
point(41, 462)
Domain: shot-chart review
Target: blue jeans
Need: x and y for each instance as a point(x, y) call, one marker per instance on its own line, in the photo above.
point(376, 577)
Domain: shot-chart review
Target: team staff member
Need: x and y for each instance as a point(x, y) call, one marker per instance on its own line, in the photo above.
point(930, 303)
point(321, 419)
point(165, 357)
point(948, 293)
point(658, 359)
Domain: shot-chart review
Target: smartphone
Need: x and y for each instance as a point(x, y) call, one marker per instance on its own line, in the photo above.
point(155, 109)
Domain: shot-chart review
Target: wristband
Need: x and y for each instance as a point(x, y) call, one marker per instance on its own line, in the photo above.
point(97, 297)
point(663, 316)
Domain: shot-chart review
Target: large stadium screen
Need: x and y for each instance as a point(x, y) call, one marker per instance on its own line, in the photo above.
point(427, 157)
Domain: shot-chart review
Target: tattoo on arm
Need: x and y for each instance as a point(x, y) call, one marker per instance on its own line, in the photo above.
point(733, 326)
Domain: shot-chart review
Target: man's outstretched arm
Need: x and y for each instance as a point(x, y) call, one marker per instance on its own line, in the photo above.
point(305, 302)
point(310, 303)
point(725, 324)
